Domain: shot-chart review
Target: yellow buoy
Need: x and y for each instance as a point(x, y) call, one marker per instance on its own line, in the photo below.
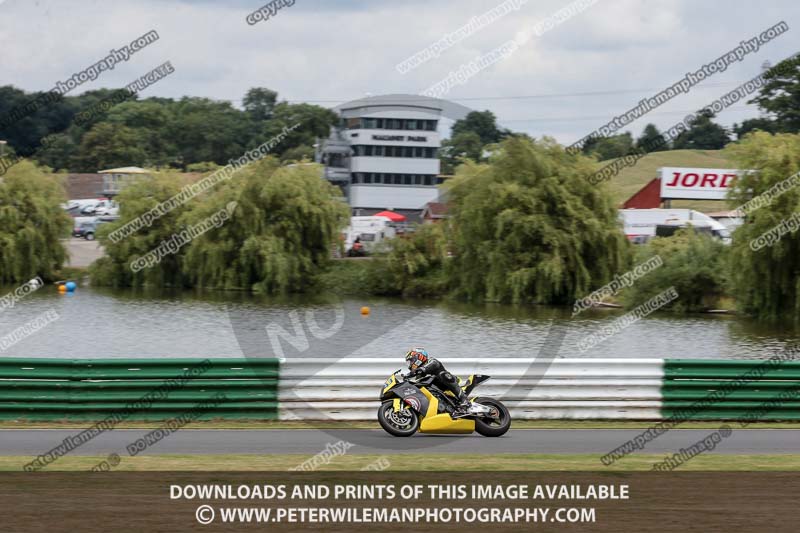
point(365, 310)
point(62, 288)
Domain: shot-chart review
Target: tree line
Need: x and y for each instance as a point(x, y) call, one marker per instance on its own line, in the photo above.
point(778, 99)
point(188, 134)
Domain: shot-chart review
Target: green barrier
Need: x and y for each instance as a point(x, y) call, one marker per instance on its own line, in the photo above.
point(138, 389)
point(751, 391)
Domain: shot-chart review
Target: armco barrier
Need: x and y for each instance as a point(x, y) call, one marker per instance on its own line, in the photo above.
point(731, 390)
point(347, 389)
point(136, 389)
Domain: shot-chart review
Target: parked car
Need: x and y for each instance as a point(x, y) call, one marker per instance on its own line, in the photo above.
point(101, 207)
point(86, 227)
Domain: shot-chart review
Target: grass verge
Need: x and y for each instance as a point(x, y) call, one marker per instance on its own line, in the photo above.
point(287, 424)
point(416, 462)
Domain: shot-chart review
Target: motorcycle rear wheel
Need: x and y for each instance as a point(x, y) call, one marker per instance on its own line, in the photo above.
point(493, 427)
point(403, 423)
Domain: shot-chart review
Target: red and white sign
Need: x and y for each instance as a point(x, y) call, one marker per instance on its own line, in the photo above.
point(696, 183)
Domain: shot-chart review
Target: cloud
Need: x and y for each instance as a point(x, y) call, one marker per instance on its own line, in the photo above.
point(329, 52)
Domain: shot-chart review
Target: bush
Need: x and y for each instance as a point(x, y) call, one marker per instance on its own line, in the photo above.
point(136, 199)
point(268, 229)
point(412, 265)
point(31, 224)
point(530, 227)
point(766, 280)
point(693, 264)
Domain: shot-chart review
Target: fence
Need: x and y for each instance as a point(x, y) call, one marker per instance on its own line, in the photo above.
point(347, 389)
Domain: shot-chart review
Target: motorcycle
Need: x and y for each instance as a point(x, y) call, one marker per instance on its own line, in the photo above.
point(411, 405)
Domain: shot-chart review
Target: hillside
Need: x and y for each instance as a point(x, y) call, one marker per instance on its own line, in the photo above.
point(631, 179)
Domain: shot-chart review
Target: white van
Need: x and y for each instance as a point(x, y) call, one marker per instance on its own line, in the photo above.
point(641, 225)
point(369, 230)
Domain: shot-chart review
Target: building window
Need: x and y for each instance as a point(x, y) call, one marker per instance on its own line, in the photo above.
point(369, 123)
point(379, 123)
point(407, 179)
point(427, 181)
point(368, 150)
point(367, 178)
point(439, 180)
point(379, 151)
point(417, 179)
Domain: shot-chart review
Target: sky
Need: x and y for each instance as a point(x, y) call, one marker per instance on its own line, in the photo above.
point(566, 82)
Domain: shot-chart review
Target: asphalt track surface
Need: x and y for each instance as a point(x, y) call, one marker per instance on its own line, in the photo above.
point(304, 441)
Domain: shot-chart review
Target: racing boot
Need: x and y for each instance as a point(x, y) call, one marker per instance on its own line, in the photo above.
point(463, 407)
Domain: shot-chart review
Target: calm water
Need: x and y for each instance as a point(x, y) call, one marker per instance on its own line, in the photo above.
point(97, 322)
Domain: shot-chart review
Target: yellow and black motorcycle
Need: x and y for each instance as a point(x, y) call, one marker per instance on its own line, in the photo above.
point(411, 405)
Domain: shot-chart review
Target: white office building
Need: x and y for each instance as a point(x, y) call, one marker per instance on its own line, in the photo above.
point(384, 154)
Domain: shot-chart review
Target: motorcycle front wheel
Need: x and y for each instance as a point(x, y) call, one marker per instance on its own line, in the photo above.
point(496, 425)
point(402, 423)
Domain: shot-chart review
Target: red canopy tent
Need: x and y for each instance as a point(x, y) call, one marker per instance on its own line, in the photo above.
point(391, 215)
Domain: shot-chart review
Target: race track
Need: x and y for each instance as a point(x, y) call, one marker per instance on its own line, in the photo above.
point(555, 441)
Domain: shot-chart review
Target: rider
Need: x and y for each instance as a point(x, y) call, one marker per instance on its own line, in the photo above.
point(420, 363)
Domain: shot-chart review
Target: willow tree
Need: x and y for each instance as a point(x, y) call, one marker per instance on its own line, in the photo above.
point(135, 200)
point(284, 222)
point(31, 224)
point(766, 278)
point(529, 227)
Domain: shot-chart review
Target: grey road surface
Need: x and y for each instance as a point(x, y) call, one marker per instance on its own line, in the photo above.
point(555, 441)
point(81, 252)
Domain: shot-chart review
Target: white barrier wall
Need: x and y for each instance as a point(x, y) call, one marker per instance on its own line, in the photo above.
point(348, 389)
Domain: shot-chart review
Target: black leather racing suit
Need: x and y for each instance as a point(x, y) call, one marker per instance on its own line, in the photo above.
point(442, 379)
